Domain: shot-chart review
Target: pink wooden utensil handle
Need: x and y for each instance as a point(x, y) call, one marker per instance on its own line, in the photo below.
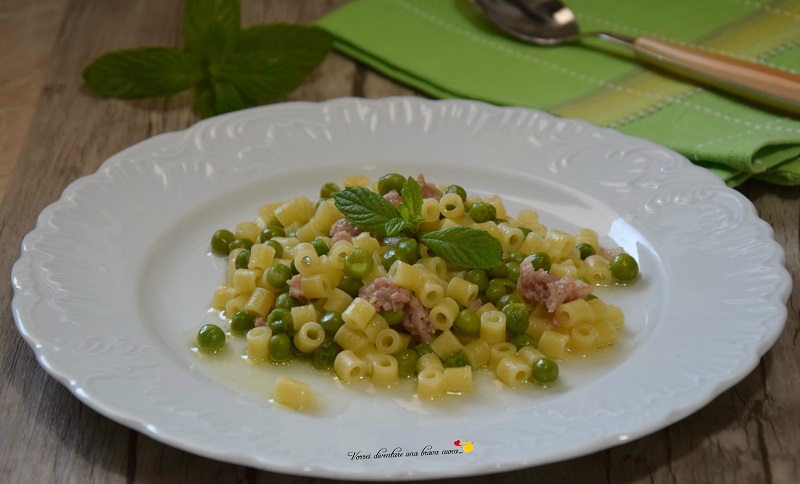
point(759, 83)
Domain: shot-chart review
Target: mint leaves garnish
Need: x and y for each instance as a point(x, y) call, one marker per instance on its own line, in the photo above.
point(228, 68)
point(460, 246)
point(365, 209)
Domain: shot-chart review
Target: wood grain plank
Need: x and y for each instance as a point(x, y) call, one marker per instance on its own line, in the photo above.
point(29, 33)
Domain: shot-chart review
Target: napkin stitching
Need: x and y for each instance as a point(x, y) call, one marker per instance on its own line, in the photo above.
point(427, 16)
point(768, 8)
point(639, 32)
point(477, 39)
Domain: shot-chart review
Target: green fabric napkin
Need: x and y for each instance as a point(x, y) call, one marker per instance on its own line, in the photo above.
point(445, 48)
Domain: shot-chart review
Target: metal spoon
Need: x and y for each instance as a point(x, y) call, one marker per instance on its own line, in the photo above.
point(549, 22)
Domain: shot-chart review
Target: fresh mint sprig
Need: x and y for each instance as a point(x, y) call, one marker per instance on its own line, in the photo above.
point(460, 246)
point(229, 68)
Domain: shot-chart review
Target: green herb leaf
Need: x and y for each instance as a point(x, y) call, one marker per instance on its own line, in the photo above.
point(229, 68)
point(396, 226)
point(204, 101)
point(365, 209)
point(227, 98)
point(259, 76)
point(211, 28)
point(302, 47)
point(411, 206)
point(465, 247)
point(144, 72)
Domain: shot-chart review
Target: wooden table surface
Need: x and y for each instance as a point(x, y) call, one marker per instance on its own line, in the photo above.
point(52, 131)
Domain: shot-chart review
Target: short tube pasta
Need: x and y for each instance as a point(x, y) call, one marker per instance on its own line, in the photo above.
point(292, 393)
point(349, 367)
point(310, 337)
point(513, 371)
point(258, 343)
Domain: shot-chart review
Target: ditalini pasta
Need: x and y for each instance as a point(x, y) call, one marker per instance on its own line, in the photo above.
point(403, 279)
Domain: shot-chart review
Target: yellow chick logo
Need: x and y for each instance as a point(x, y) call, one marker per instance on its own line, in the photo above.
point(465, 446)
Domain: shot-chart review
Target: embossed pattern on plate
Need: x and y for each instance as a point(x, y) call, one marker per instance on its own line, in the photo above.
point(116, 275)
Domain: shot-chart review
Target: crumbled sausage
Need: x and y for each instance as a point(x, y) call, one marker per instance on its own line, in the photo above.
point(385, 295)
point(540, 286)
point(418, 321)
point(394, 198)
point(342, 229)
point(429, 190)
point(296, 286)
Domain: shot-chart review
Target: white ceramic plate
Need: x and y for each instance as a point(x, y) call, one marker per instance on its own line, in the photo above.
point(115, 280)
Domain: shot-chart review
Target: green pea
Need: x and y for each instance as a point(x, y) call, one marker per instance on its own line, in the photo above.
point(320, 246)
point(525, 231)
point(393, 317)
point(467, 323)
point(324, 355)
point(242, 259)
point(286, 301)
point(545, 370)
point(220, 241)
point(516, 256)
point(482, 212)
point(392, 181)
point(278, 275)
point(390, 257)
point(523, 339)
point(516, 317)
point(499, 271)
point(590, 297)
point(498, 288)
point(423, 349)
point(585, 250)
point(407, 362)
point(350, 285)
point(408, 251)
point(280, 321)
point(456, 360)
point(240, 244)
point(280, 347)
point(328, 190)
point(512, 272)
point(541, 260)
point(358, 263)
point(273, 221)
point(210, 338)
point(458, 190)
point(298, 353)
point(478, 277)
point(624, 267)
point(271, 231)
point(507, 299)
point(331, 322)
point(277, 246)
point(243, 321)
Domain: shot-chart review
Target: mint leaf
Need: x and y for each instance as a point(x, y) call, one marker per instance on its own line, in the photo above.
point(465, 247)
point(203, 99)
point(302, 47)
point(365, 209)
point(227, 98)
point(211, 28)
point(144, 72)
point(259, 76)
point(396, 226)
point(411, 206)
